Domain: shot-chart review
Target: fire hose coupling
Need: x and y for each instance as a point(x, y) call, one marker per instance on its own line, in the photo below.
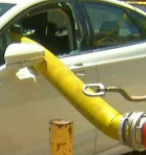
point(133, 130)
point(133, 125)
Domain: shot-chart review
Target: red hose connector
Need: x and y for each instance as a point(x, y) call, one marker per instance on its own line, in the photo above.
point(144, 134)
point(133, 130)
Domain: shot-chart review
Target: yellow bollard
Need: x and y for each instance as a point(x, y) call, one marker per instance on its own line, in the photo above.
point(60, 137)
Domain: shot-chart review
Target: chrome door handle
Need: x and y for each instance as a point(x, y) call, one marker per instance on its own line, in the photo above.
point(78, 69)
point(81, 66)
point(80, 74)
point(77, 66)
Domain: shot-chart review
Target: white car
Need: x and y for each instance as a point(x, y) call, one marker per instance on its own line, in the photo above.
point(100, 41)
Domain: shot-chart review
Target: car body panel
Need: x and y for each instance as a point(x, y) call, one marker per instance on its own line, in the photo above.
point(26, 109)
point(117, 67)
point(21, 6)
point(26, 106)
point(121, 67)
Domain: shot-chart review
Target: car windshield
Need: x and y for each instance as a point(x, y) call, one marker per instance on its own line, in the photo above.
point(5, 7)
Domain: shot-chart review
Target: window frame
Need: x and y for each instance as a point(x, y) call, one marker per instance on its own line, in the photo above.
point(87, 22)
point(130, 12)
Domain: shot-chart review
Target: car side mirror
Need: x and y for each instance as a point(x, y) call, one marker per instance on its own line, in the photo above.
point(18, 56)
point(24, 55)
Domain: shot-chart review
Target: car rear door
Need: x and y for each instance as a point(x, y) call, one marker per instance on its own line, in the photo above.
point(119, 56)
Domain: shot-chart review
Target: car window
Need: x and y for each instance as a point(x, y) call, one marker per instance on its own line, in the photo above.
point(53, 26)
point(140, 20)
point(5, 7)
point(111, 25)
point(2, 49)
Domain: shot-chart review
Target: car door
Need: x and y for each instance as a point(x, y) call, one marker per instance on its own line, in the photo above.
point(30, 102)
point(119, 55)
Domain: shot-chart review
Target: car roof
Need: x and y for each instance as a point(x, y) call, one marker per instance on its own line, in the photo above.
point(28, 1)
point(116, 2)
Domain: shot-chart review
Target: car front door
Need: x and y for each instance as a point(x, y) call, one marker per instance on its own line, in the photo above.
point(28, 103)
point(119, 56)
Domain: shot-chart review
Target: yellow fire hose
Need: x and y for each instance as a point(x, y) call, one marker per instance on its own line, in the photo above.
point(95, 109)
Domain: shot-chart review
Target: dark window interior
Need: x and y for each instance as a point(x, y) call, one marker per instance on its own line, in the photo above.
point(53, 26)
point(111, 25)
point(48, 34)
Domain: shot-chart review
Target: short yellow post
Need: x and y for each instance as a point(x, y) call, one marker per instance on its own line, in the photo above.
point(60, 137)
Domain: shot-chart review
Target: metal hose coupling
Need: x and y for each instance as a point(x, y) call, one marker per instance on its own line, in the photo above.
point(133, 130)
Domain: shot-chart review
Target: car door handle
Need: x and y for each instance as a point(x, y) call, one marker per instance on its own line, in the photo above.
point(77, 66)
point(80, 73)
point(78, 69)
point(80, 66)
